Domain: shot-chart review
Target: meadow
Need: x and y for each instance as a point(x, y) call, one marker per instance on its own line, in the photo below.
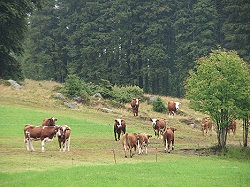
point(95, 159)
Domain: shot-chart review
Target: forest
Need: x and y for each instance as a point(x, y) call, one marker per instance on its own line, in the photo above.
point(149, 44)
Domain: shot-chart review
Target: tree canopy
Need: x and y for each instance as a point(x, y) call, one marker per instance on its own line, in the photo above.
point(13, 27)
point(219, 86)
point(150, 44)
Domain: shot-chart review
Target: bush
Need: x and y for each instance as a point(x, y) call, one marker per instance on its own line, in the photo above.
point(158, 105)
point(72, 86)
point(126, 94)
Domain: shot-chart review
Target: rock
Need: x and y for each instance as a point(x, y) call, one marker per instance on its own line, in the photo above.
point(97, 95)
point(14, 84)
point(59, 96)
point(71, 104)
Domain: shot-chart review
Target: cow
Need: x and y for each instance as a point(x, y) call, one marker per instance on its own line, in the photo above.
point(129, 141)
point(143, 140)
point(43, 133)
point(119, 126)
point(49, 121)
point(135, 106)
point(168, 138)
point(206, 124)
point(159, 126)
point(232, 126)
point(64, 137)
point(173, 107)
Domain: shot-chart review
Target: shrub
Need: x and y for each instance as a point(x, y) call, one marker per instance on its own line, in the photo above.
point(126, 93)
point(158, 105)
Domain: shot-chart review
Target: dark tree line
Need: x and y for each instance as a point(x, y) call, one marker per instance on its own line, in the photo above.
point(152, 44)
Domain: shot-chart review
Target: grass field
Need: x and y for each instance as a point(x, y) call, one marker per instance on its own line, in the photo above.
point(95, 158)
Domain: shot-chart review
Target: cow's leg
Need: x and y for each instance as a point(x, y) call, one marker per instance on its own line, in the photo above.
point(169, 142)
point(139, 147)
point(31, 145)
point(115, 136)
point(119, 134)
point(173, 144)
point(43, 144)
point(165, 145)
point(68, 143)
point(146, 149)
point(27, 143)
point(64, 146)
point(60, 146)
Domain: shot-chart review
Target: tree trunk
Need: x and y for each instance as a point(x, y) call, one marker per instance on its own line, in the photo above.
point(245, 131)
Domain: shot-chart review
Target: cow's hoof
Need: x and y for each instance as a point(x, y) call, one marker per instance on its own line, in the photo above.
point(168, 151)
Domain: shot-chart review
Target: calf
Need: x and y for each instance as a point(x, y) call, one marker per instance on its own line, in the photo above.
point(173, 107)
point(206, 124)
point(159, 126)
point(168, 137)
point(232, 126)
point(49, 121)
point(135, 106)
point(64, 137)
point(143, 139)
point(43, 133)
point(129, 141)
point(119, 126)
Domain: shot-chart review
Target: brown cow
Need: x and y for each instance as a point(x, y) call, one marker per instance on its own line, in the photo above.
point(64, 137)
point(168, 137)
point(135, 106)
point(129, 141)
point(173, 107)
point(232, 126)
point(143, 139)
point(119, 126)
point(206, 124)
point(159, 126)
point(43, 133)
point(49, 121)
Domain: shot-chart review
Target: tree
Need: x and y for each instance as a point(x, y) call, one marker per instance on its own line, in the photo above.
point(217, 86)
point(13, 26)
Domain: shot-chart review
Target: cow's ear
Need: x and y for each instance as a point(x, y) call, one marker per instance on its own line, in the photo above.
point(150, 119)
point(55, 119)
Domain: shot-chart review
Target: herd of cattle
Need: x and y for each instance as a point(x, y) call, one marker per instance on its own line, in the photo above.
point(48, 130)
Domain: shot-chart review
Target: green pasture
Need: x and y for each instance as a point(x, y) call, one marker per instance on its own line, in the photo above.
point(96, 159)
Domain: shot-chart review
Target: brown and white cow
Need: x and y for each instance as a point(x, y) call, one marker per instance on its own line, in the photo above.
point(159, 126)
point(168, 138)
point(173, 107)
point(49, 121)
point(64, 137)
point(143, 140)
point(135, 106)
point(43, 133)
point(129, 141)
point(119, 126)
point(232, 126)
point(206, 125)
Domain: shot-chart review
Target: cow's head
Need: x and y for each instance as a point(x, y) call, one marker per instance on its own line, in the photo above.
point(177, 105)
point(136, 101)
point(154, 121)
point(118, 122)
point(173, 129)
point(52, 121)
point(62, 131)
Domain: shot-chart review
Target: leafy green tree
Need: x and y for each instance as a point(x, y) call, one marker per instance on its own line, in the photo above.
point(13, 25)
point(216, 87)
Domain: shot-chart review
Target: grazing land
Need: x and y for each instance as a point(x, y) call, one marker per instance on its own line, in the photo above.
point(95, 158)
